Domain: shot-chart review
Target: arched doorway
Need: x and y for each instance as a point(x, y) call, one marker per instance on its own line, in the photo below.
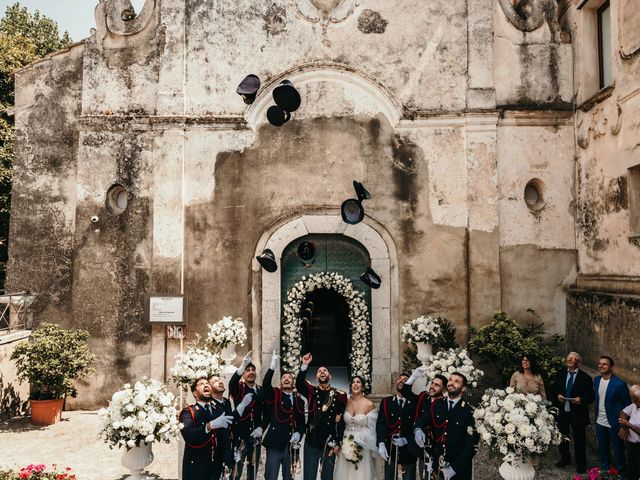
point(326, 326)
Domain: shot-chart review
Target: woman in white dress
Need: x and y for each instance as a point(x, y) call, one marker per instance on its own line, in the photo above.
point(360, 421)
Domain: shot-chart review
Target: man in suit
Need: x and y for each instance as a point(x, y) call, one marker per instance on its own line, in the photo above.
point(573, 390)
point(201, 432)
point(393, 429)
point(286, 424)
point(325, 426)
point(247, 429)
point(452, 426)
point(422, 402)
point(612, 396)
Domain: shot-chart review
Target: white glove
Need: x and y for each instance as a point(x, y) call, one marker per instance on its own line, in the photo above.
point(382, 450)
point(399, 441)
point(448, 473)
point(303, 367)
point(257, 433)
point(245, 361)
point(242, 406)
point(416, 374)
point(237, 455)
point(331, 444)
point(419, 437)
point(295, 438)
point(274, 361)
point(223, 421)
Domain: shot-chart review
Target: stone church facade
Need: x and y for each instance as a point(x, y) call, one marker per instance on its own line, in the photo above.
point(139, 170)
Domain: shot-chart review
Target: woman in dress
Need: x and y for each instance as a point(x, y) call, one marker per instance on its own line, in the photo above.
point(360, 422)
point(527, 378)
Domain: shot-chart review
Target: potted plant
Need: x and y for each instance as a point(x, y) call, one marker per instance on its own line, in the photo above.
point(423, 332)
point(191, 365)
point(224, 335)
point(137, 416)
point(446, 362)
point(51, 360)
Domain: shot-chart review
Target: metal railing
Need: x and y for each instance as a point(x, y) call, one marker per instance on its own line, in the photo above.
point(15, 312)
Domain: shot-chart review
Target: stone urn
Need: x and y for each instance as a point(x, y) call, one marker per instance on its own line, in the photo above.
point(518, 469)
point(228, 353)
point(425, 350)
point(137, 459)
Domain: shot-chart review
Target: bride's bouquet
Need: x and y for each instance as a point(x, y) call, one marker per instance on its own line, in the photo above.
point(352, 450)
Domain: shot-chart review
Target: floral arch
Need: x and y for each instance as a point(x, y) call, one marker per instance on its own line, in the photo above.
point(360, 356)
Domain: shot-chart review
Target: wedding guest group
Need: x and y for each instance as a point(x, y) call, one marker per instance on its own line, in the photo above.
point(630, 432)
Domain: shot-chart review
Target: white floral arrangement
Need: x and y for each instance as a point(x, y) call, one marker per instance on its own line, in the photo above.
point(422, 329)
point(138, 415)
point(351, 450)
point(225, 332)
point(360, 357)
point(193, 364)
point(516, 425)
point(446, 362)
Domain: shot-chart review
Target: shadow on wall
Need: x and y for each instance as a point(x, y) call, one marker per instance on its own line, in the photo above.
point(11, 405)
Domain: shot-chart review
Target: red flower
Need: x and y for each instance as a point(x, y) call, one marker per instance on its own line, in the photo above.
point(613, 471)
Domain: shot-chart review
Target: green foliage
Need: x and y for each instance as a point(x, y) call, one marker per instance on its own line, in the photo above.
point(448, 340)
point(503, 342)
point(51, 359)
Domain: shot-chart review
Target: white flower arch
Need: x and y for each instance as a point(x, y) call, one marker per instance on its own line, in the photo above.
point(360, 356)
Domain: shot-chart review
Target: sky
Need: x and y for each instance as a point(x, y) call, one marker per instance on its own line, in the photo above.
point(74, 16)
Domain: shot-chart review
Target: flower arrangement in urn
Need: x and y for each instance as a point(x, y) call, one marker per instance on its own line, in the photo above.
point(226, 332)
point(422, 330)
point(193, 364)
point(352, 450)
point(140, 414)
point(453, 360)
point(516, 426)
point(51, 360)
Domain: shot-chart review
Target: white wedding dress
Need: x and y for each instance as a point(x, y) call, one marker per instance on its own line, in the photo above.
point(363, 429)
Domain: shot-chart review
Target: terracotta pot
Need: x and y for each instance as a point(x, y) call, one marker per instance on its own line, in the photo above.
point(46, 412)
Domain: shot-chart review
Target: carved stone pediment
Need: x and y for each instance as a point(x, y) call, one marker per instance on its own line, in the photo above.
point(118, 17)
point(530, 15)
point(325, 11)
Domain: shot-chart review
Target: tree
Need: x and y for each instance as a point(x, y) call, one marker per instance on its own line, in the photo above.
point(24, 38)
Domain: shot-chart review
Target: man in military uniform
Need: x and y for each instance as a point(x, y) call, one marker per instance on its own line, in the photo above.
point(325, 426)
point(452, 426)
point(247, 428)
point(201, 433)
point(286, 424)
point(393, 429)
point(422, 403)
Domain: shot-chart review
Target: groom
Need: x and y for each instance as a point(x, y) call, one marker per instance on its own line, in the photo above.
point(325, 426)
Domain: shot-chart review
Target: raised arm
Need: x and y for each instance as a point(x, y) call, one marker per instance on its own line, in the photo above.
point(234, 382)
point(407, 391)
point(267, 388)
point(304, 388)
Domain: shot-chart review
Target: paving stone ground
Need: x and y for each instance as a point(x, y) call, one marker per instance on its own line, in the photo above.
point(74, 443)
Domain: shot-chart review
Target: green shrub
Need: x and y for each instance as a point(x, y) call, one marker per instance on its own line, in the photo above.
point(503, 342)
point(51, 359)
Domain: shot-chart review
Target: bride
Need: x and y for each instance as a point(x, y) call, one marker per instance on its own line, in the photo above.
point(360, 421)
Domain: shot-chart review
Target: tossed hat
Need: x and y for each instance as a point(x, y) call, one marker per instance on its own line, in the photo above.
point(268, 260)
point(371, 278)
point(248, 88)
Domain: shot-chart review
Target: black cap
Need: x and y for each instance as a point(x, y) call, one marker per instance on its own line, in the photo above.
point(268, 261)
point(307, 252)
point(371, 278)
point(352, 211)
point(286, 96)
point(362, 192)
point(277, 116)
point(248, 88)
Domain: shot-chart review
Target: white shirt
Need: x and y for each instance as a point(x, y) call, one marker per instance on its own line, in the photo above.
point(567, 403)
point(634, 419)
point(455, 402)
point(602, 412)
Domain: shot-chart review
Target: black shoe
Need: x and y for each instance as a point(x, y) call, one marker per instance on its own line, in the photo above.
point(563, 463)
point(581, 469)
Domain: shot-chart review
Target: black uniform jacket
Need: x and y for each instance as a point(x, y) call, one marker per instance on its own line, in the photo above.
point(252, 416)
point(326, 411)
point(421, 402)
point(223, 448)
point(197, 463)
point(582, 387)
point(453, 434)
point(392, 420)
point(284, 420)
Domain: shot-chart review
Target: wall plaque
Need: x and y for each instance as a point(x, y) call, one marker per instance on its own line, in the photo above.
point(166, 309)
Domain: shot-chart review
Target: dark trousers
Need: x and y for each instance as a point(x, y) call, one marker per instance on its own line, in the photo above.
point(405, 472)
point(579, 431)
point(218, 468)
point(250, 458)
point(606, 436)
point(312, 456)
point(633, 461)
point(277, 458)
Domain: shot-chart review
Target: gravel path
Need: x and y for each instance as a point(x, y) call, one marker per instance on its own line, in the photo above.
point(74, 443)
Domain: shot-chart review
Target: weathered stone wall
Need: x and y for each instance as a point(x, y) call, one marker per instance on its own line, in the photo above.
point(13, 394)
point(399, 95)
point(607, 138)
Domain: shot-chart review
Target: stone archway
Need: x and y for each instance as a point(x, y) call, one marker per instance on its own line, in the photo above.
point(267, 294)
